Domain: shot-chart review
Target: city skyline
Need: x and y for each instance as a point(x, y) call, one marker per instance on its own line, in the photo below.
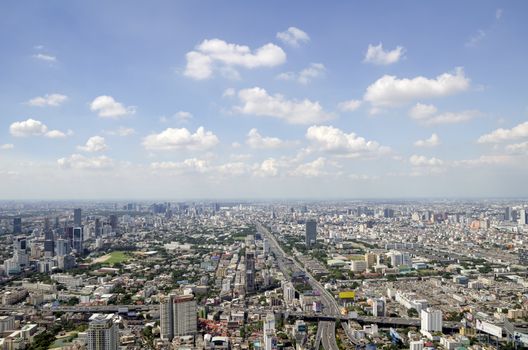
point(263, 101)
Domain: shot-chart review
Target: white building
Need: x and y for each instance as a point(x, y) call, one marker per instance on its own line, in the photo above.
point(431, 320)
point(177, 316)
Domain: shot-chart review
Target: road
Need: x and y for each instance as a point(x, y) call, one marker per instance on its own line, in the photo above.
point(328, 337)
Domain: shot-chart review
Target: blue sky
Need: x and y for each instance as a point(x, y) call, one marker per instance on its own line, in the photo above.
point(274, 99)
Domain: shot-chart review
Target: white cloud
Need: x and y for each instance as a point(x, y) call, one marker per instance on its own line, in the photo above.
point(108, 107)
point(518, 148)
point(500, 135)
point(45, 57)
point(121, 131)
point(267, 168)
point(233, 169)
point(78, 161)
point(229, 92)
point(432, 141)
point(257, 141)
point(305, 76)
point(335, 141)
point(376, 55)
point(427, 114)
point(32, 127)
point(211, 53)
point(416, 160)
point(53, 100)
point(349, 106)
point(293, 36)
point(486, 160)
point(7, 146)
point(175, 139)
point(188, 165)
point(498, 14)
point(256, 101)
point(391, 91)
point(94, 144)
point(475, 39)
point(311, 169)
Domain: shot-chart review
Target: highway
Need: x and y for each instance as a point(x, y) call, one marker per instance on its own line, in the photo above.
point(328, 337)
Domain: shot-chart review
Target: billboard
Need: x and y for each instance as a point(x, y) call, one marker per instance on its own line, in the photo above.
point(489, 328)
point(347, 295)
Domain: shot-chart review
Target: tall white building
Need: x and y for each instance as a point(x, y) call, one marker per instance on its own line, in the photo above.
point(431, 320)
point(177, 316)
point(270, 340)
point(102, 333)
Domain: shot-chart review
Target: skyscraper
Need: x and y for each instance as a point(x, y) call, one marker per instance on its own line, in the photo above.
point(250, 272)
point(49, 243)
point(17, 225)
point(113, 222)
point(78, 239)
point(177, 316)
point(311, 232)
point(523, 217)
point(102, 333)
point(97, 232)
point(270, 339)
point(77, 219)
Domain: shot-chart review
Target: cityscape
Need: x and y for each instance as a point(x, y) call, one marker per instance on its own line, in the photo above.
point(263, 175)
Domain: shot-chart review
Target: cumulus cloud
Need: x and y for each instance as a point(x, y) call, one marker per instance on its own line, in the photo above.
point(256, 140)
point(32, 127)
point(216, 53)
point(495, 159)
point(311, 169)
point(417, 160)
point(79, 161)
point(293, 36)
point(428, 114)
point(376, 55)
point(390, 91)
point(53, 100)
point(7, 146)
point(183, 117)
point(45, 57)
point(180, 139)
point(349, 106)
point(233, 169)
point(107, 107)
point(257, 101)
point(334, 141)
point(518, 148)
point(94, 144)
point(268, 168)
point(500, 135)
point(432, 141)
point(306, 75)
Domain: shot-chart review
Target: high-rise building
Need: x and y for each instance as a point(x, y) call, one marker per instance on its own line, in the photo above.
point(370, 259)
point(523, 217)
point(508, 214)
point(102, 333)
point(49, 243)
point(378, 308)
point(431, 320)
point(97, 229)
point(177, 316)
point(78, 239)
point(62, 247)
point(250, 271)
point(523, 257)
point(17, 225)
point(77, 218)
point(113, 222)
point(311, 232)
point(270, 339)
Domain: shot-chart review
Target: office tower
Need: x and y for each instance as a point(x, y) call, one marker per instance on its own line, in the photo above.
point(270, 339)
point(177, 316)
point(77, 219)
point(57, 223)
point(97, 232)
point(62, 247)
point(311, 232)
point(522, 217)
point(102, 333)
point(508, 214)
point(431, 320)
point(265, 246)
point(49, 243)
point(113, 222)
point(46, 224)
point(288, 292)
point(523, 256)
point(17, 225)
point(378, 308)
point(78, 238)
point(388, 213)
point(250, 272)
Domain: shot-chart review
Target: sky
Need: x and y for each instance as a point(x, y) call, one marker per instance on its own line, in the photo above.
point(271, 99)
